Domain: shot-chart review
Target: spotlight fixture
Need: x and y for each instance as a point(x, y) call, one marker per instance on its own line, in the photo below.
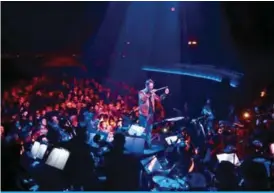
point(165, 130)
point(263, 93)
point(246, 115)
point(192, 43)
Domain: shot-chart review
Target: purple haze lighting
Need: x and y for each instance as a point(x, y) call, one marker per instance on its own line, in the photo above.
point(172, 9)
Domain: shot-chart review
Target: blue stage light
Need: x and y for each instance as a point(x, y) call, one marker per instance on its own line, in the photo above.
point(183, 72)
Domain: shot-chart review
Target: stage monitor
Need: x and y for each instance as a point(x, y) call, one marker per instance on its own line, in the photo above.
point(231, 157)
point(58, 158)
point(38, 150)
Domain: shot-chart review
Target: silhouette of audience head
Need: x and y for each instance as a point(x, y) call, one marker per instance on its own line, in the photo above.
point(226, 177)
point(255, 176)
point(81, 135)
point(97, 138)
point(119, 141)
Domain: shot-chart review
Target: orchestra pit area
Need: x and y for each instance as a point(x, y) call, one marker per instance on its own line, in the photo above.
point(76, 134)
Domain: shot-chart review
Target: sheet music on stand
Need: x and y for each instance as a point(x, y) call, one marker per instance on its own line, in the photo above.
point(172, 139)
point(151, 164)
point(38, 150)
point(58, 158)
point(136, 130)
point(231, 157)
point(134, 145)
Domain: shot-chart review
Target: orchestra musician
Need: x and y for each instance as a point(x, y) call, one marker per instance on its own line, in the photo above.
point(232, 117)
point(207, 112)
point(183, 153)
point(147, 99)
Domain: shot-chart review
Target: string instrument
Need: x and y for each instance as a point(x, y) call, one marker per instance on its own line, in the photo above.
point(188, 143)
point(207, 112)
point(185, 141)
point(197, 121)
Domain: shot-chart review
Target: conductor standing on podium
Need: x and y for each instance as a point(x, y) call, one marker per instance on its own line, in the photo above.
point(147, 99)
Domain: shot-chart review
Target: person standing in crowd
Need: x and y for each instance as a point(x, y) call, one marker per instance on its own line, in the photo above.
point(122, 169)
point(232, 117)
point(207, 112)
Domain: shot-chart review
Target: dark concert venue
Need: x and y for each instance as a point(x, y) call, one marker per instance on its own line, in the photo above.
point(137, 96)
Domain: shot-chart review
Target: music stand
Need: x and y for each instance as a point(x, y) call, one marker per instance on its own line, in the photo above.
point(135, 130)
point(58, 158)
point(172, 139)
point(151, 164)
point(230, 157)
point(38, 150)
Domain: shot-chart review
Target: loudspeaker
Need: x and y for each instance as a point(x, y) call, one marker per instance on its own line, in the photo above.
point(135, 145)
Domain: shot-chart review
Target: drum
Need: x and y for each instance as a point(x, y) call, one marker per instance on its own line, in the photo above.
point(163, 183)
point(196, 181)
point(266, 163)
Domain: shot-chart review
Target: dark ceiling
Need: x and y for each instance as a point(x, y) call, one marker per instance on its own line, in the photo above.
point(67, 26)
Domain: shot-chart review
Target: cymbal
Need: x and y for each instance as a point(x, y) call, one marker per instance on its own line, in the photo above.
point(174, 119)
